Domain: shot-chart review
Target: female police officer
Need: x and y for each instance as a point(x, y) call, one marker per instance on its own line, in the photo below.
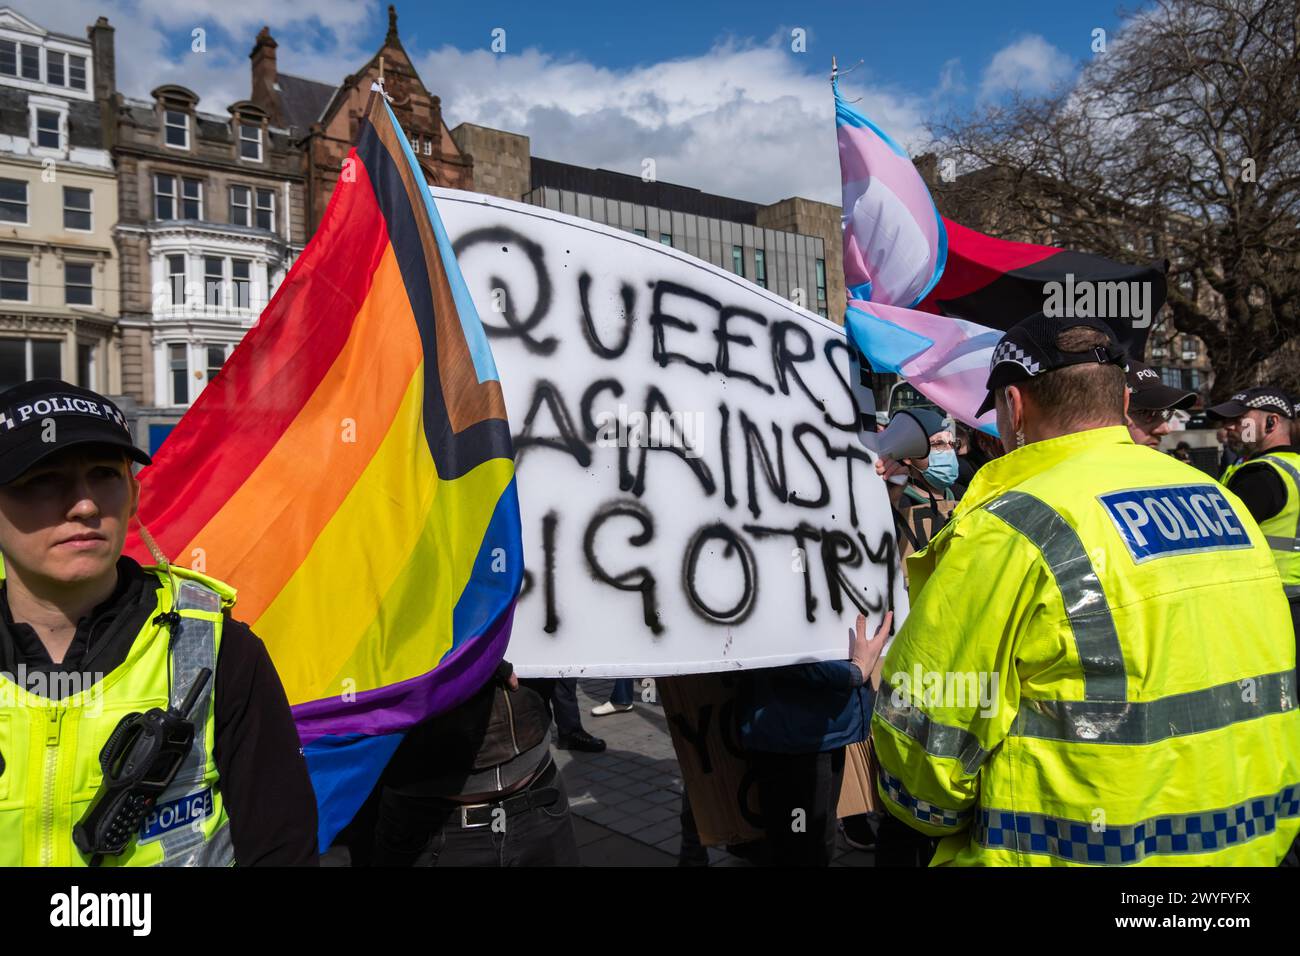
point(90, 641)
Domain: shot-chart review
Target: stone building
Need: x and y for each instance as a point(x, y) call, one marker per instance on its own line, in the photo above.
point(212, 215)
point(59, 298)
point(323, 119)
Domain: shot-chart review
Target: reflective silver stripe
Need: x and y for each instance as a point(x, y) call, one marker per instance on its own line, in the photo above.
point(1286, 544)
point(1204, 831)
point(1095, 636)
point(1148, 722)
point(219, 851)
point(193, 647)
point(936, 739)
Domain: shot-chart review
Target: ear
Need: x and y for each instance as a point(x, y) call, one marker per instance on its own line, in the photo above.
point(1016, 407)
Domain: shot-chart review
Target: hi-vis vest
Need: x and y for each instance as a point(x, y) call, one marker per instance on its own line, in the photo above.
point(1098, 668)
point(51, 747)
point(1283, 529)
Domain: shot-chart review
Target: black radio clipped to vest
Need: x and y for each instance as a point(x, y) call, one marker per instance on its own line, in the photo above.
point(139, 761)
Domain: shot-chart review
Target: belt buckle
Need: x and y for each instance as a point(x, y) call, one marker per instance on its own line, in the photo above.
point(464, 816)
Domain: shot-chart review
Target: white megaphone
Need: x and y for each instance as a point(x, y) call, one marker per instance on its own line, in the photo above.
point(904, 437)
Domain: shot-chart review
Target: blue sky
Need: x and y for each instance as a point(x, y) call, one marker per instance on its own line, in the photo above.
point(714, 93)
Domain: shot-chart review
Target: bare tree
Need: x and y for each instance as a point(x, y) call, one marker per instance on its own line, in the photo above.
point(1180, 140)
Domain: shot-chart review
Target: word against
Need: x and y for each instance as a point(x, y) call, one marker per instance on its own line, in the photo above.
point(1158, 522)
point(1086, 299)
point(75, 908)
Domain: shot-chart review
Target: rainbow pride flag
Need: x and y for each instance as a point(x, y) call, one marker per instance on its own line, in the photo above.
point(350, 472)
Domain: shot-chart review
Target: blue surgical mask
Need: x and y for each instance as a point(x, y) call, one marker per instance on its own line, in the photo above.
point(943, 468)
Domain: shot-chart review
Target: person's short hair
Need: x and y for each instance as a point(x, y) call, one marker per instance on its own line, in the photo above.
point(1079, 395)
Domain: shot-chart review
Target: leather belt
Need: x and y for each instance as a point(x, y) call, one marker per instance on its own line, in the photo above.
point(537, 794)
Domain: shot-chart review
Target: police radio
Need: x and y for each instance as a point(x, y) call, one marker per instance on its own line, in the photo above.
point(139, 761)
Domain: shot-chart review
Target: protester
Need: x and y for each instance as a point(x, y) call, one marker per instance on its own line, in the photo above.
point(88, 634)
point(1267, 480)
point(561, 696)
point(1082, 702)
point(795, 722)
point(477, 786)
point(1183, 452)
point(1229, 453)
point(620, 699)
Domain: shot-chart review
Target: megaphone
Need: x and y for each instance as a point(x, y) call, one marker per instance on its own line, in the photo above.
point(904, 437)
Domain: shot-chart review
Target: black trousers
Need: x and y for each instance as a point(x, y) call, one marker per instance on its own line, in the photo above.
point(788, 784)
point(561, 695)
point(428, 831)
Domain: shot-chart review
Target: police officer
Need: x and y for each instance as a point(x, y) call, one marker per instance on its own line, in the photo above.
point(88, 636)
point(1267, 479)
point(1151, 404)
point(1097, 667)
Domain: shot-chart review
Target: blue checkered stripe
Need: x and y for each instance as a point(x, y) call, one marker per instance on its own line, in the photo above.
point(924, 812)
point(1118, 845)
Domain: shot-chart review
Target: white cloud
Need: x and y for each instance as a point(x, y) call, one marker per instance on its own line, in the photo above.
point(742, 120)
point(1030, 65)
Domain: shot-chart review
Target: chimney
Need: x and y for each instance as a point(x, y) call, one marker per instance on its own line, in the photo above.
point(266, 76)
point(105, 78)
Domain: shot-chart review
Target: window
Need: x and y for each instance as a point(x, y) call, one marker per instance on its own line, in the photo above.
point(640, 232)
point(79, 283)
point(216, 359)
point(22, 360)
point(738, 260)
point(239, 211)
point(31, 61)
point(76, 209)
point(266, 209)
point(821, 310)
point(176, 278)
point(13, 279)
point(760, 268)
point(76, 72)
point(176, 129)
point(191, 199)
point(241, 274)
point(85, 365)
point(47, 130)
point(214, 275)
point(250, 142)
point(8, 58)
point(821, 280)
point(55, 68)
point(428, 146)
point(179, 367)
point(13, 201)
point(665, 239)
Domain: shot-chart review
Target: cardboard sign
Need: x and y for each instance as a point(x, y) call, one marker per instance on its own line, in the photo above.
point(693, 490)
point(703, 721)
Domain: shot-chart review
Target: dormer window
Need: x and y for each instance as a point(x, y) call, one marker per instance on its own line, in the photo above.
point(176, 125)
point(47, 129)
point(250, 142)
point(49, 123)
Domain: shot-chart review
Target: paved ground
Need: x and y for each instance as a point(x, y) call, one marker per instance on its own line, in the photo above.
point(626, 800)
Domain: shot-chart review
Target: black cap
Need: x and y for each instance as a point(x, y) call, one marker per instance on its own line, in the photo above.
point(78, 416)
point(1029, 349)
point(1263, 397)
point(1148, 392)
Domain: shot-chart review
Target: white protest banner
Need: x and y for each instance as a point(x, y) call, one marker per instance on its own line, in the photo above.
point(693, 490)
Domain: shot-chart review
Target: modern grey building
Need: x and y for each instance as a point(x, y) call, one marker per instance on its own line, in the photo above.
point(730, 233)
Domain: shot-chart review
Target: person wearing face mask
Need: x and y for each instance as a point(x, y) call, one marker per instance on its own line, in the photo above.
point(1067, 687)
point(1151, 404)
point(1267, 480)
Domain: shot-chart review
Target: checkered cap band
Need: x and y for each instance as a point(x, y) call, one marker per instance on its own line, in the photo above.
point(1008, 351)
point(1267, 401)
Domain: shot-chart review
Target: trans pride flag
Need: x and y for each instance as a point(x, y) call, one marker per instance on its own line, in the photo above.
point(929, 298)
point(350, 472)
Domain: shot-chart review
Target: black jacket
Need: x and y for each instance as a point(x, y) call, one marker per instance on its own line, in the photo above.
point(264, 782)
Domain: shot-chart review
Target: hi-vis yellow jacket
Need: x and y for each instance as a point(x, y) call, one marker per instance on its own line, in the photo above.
point(1098, 668)
point(51, 747)
point(1283, 529)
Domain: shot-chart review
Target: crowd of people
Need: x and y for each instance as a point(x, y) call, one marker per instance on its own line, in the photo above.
point(1133, 635)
